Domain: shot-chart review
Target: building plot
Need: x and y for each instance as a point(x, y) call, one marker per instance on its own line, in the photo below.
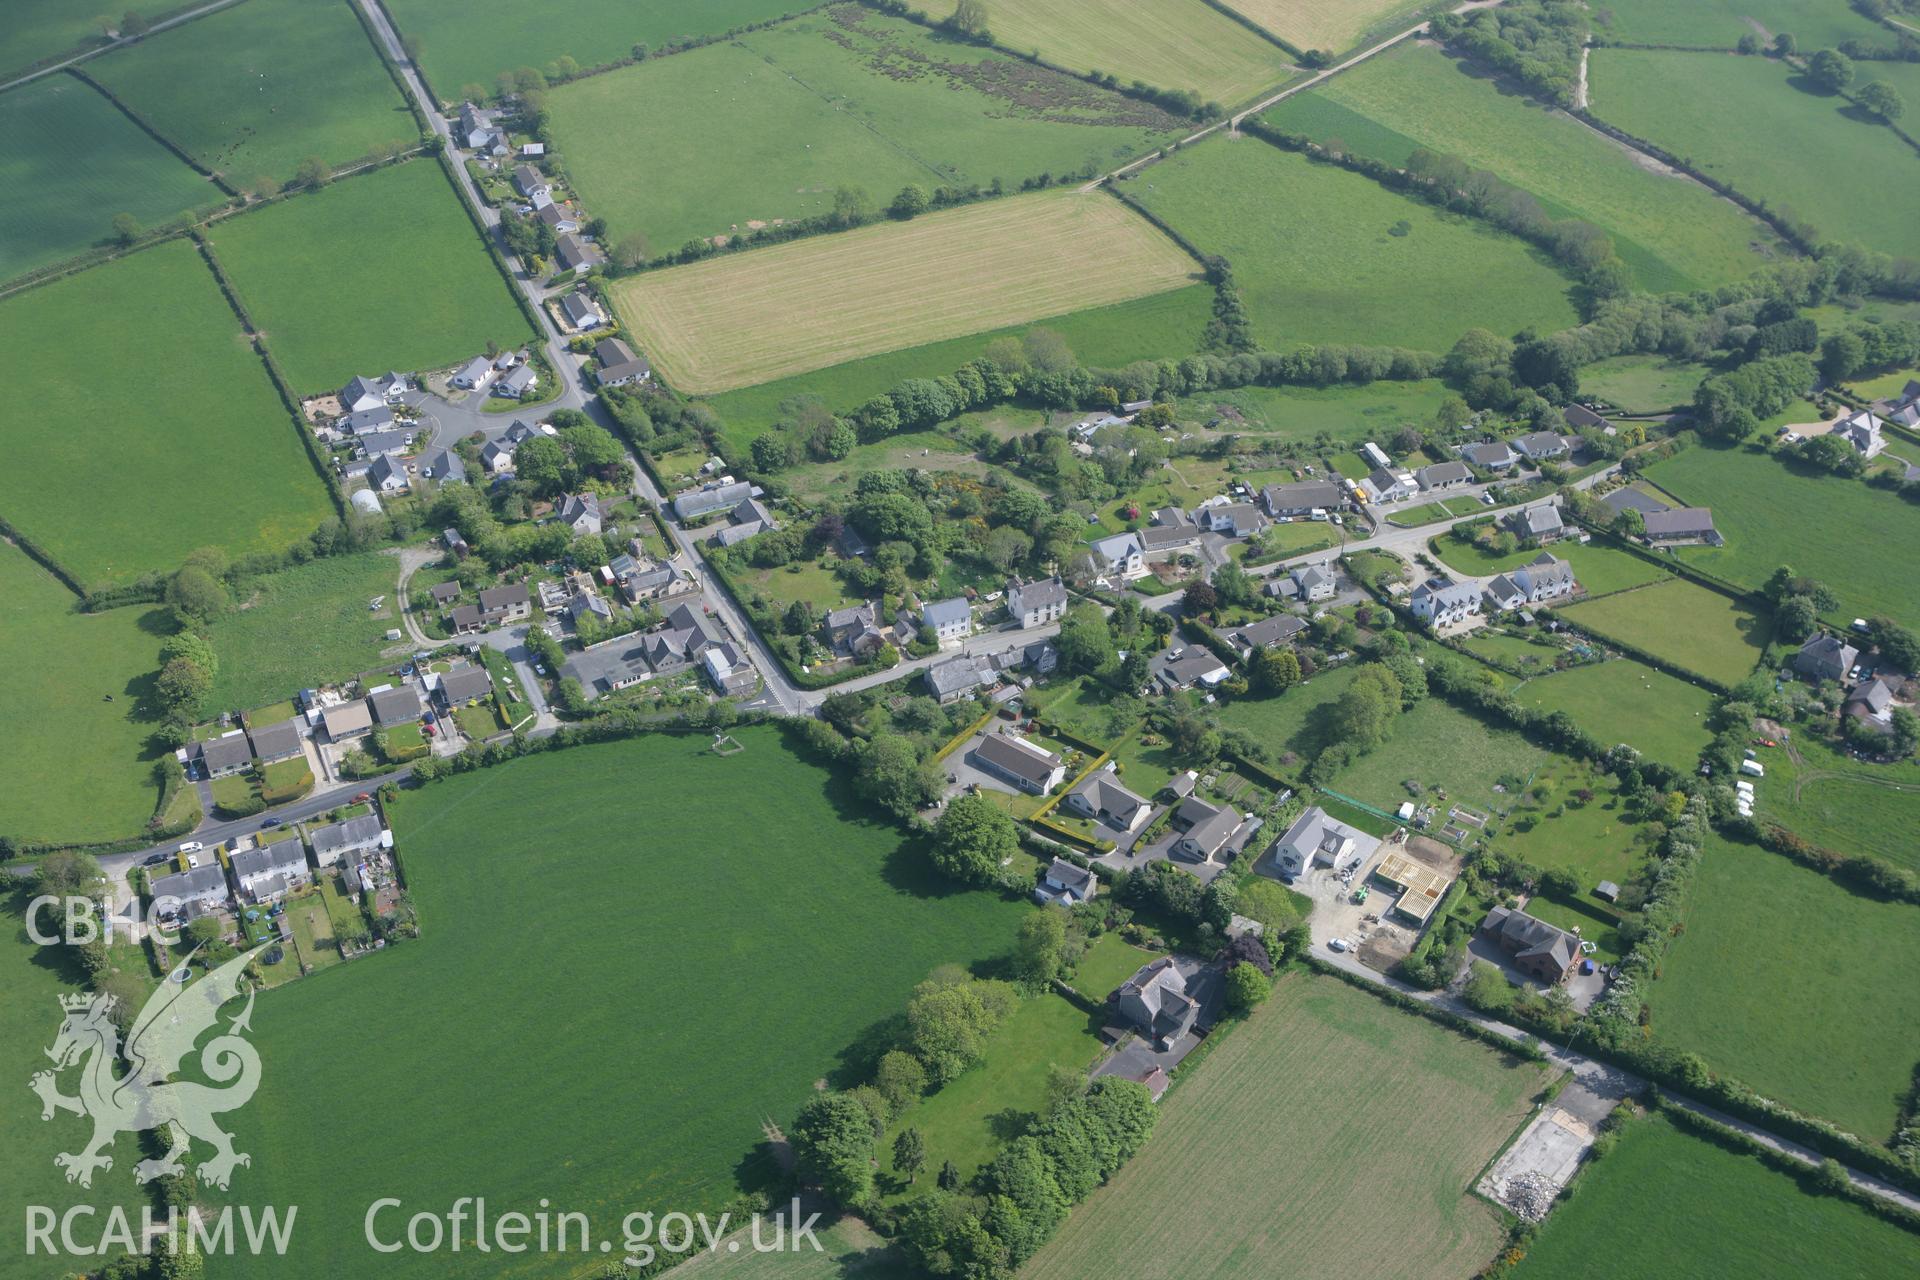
point(752, 317)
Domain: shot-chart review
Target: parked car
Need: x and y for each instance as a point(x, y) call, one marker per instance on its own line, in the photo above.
point(362, 798)
point(155, 859)
point(1338, 944)
point(270, 823)
point(192, 846)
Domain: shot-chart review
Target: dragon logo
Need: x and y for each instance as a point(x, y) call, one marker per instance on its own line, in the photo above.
point(161, 1038)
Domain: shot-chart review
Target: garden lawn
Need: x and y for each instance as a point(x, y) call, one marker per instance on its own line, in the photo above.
point(1600, 569)
point(1747, 122)
point(1694, 628)
point(966, 1121)
point(379, 271)
point(843, 97)
point(1431, 512)
point(78, 765)
point(1787, 981)
point(1841, 803)
point(69, 162)
point(302, 627)
point(1641, 384)
point(256, 89)
point(1391, 1160)
point(1331, 25)
point(1661, 716)
point(1316, 261)
point(1110, 961)
point(1499, 647)
point(1672, 231)
point(1443, 749)
point(1595, 841)
point(731, 321)
point(1771, 515)
point(1699, 1209)
point(1292, 723)
point(1174, 44)
point(185, 401)
point(1719, 24)
point(587, 952)
point(1347, 413)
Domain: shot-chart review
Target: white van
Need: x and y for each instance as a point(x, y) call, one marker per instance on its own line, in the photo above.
point(1753, 767)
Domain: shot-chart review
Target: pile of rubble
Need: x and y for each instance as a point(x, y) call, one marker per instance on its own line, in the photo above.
point(1529, 1195)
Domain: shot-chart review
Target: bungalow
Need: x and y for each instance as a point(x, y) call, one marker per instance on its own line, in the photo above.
point(517, 383)
point(187, 895)
point(223, 756)
point(372, 393)
point(729, 670)
point(1541, 579)
point(620, 366)
point(363, 421)
point(1171, 532)
point(461, 686)
point(1581, 418)
point(958, 677)
point(1100, 798)
point(580, 512)
point(1155, 1000)
point(1120, 556)
point(1267, 633)
point(1231, 519)
point(395, 705)
point(1861, 429)
point(855, 630)
point(1825, 657)
point(589, 604)
point(1066, 884)
point(749, 518)
point(1389, 486)
point(345, 720)
point(1677, 525)
point(530, 182)
point(951, 621)
point(1539, 446)
point(343, 840)
point(1871, 703)
point(580, 312)
point(557, 218)
point(1314, 838)
point(274, 742)
point(1309, 583)
point(472, 375)
point(1537, 524)
point(443, 465)
point(265, 875)
point(1182, 668)
point(575, 254)
point(1443, 475)
point(1033, 604)
point(1291, 501)
point(1441, 602)
point(388, 475)
point(1496, 456)
point(383, 444)
point(610, 667)
point(1205, 830)
point(1018, 762)
point(1544, 951)
point(692, 504)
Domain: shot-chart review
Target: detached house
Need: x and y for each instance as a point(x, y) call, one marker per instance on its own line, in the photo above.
point(1316, 839)
point(1019, 763)
point(1443, 475)
point(265, 875)
point(692, 504)
point(376, 392)
point(1441, 602)
point(522, 379)
point(1308, 583)
point(1291, 501)
point(958, 677)
point(363, 422)
point(580, 312)
point(1156, 1001)
point(620, 366)
point(474, 374)
point(1541, 950)
point(1497, 456)
point(395, 705)
point(1099, 797)
point(855, 630)
point(1861, 429)
point(1383, 486)
point(1539, 446)
point(461, 686)
point(1538, 524)
point(1183, 668)
point(1065, 884)
point(575, 254)
point(1231, 519)
point(276, 741)
point(223, 756)
point(1120, 556)
point(1268, 633)
point(1678, 525)
point(1825, 657)
point(1205, 830)
point(530, 182)
point(1034, 604)
point(580, 512)
point(951, 621)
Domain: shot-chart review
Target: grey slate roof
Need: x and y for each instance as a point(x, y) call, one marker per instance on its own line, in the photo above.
point(276, 741)
point(1017, 758)
point(353, 833)
point(463, 684)
point(946, 613)
point(226, 752)
point(1680, 522)
point(443, 464)
point(957, 675)
point(1495, 454)
point(286, 855)
point(209, 878)
point(1442, 473)
point(398, 705)
point(1281, 499)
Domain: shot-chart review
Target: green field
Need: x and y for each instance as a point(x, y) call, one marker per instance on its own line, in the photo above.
point(70, 162)
point(1641, 384)
point(1448, 752)
point(1175, 44)
point(38, 29)
point(1698, 1209)
point(272, 82)
point(1301, 413)
point(1673, 232)
point(1801, 988)
point(78, 767)
point(1330, 1131)
point(1596, 841)
point(1332, 25)
point(513, 992)
point(380, 271)
point(472, 43)
point(1770, 516)
point(1312, 252)
point(302, 627)
point(112, 471)
point(841, 97)
point(1160, 326)
point(1719, 24)
point(1699, 630)
point(1662, 717)
point(1293, 723)
point(1744, 121)
point(1599, 569)
point(1843, 804)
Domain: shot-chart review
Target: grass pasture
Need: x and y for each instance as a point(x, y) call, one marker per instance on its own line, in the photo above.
point(185, 396)
point(1301, 413)
point(1682, 622)
point(616, 909)
point(1799, 987)
point(1391, 1162)
point(1175, 44)
point(1672, 231)
point(69, 162)
point(1333, 25)
point(1595, 841)
point(1842, 803)
point(1719, 24)
point(1771, 515)
point(303, 626)
point(1316, 261)
point(1642, 384)
point(1446, 751)
point(1747, 122)
point(843, 97)
point(273, 82)
point(1293, 723)
point(1600, 569)
point(380, 271)
point(754, 317)
point(1660, 716)
point(78, 767)
point(1701, 1209)
point(38, 29)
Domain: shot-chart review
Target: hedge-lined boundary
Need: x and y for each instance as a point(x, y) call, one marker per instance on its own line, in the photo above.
point(495, 252)
point(1286, 47)
point(393, 71)
point(147, 127)
point(79, 52)
point(1521, 1049)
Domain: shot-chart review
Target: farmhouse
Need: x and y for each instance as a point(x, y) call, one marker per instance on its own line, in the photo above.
point(1308, 583)
point(1018, 762)
point(1443, 475)
point(276, 741)
point(1441, 602)
point(1156, 1001)
point(220, 757)
point(1679, 525)
point(1205, 830)
point(1232, 519)
point(1100, 797)
point(1421, 887)
point(187, 895)
point(951, 621)
point(462, 686)
point(346, 720)
point(1384, 486)
point(1033, 604)
point(1544, 951)
point(580, 312)
point(1541, 579)
point(620, 365)
point(393, 705)
point(1537, 524)
point(955, 678)
point(1316, 838)
point(265, 875)
point(1066, 884)
point(692, 504)
point(1178, 669)
point(1825, 657)
point(1496, 456)
point(1861, 429)
point(1539, 446)
point(1291, 501)
point(1268, 633)
point(344, 840)
point(475, 373)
